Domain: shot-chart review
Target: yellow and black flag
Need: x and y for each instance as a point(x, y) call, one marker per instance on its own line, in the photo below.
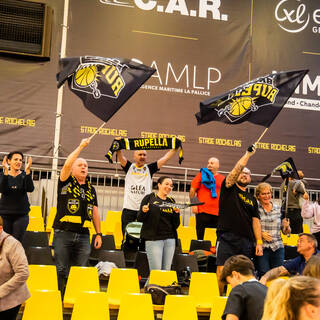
point(258, 101)
point(103, 84)
point(286, 169)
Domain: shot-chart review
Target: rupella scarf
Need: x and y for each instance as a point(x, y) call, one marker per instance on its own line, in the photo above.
point(145, 144)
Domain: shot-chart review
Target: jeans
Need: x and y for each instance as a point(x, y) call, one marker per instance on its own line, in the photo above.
point(16, 225)
point(160, 253)
point(70, 249)
point(270, 259)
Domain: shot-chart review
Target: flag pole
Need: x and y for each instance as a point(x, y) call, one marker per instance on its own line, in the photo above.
point(263, 133)
point(97, 131)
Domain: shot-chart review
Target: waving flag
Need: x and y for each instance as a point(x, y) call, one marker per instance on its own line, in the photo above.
point(103, 84)
point(258, 101)
point(286, 169)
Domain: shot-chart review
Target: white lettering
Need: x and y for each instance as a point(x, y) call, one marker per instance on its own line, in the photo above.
point(185, 70)
point(149, 5)
point(215, 70)
point(156, 74)
point(209, 6)
point(177, 5)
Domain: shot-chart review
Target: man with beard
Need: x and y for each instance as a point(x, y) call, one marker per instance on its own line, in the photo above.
point(239, 229)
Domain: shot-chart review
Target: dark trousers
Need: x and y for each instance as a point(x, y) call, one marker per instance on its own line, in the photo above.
point(204, 220)
point(296, 220)
point(10, 314)
point(127, 217)
point(16, 225)
point(70, 249)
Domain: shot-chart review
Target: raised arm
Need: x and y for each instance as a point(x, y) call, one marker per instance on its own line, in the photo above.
point(273, 274)
point(162, 161)
point(66, 170)
point(235, 172)
point(122, 159)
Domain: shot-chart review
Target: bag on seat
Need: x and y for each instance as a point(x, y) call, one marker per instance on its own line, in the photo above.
point(159, 293)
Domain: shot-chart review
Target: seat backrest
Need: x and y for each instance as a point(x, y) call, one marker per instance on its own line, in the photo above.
point(163, 277)
point(80, 279)
point(42, 277)
point(112, 217)
point(115, 256)
point(136, 306)
point(192, 221)
point(203, 287)
point(43, 304)
point(219, 304)
point(35, 212)
point(91, 305)
point(141, 264)
point(200, 245)
point(211, 235)
point(121, 281)
point(39, 255)
point(186, 234)
point(35, 224)
point(181, 261)
point(35, 239)
point(179, 307)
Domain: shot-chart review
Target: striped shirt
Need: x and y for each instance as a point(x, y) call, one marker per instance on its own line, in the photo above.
point(271, 223)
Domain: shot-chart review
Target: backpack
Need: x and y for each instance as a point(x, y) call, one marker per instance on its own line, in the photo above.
point(159, 293)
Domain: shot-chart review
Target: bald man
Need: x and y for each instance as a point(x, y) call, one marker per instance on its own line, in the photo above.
point(77, 206)
point(206, 185)
point(138, 181)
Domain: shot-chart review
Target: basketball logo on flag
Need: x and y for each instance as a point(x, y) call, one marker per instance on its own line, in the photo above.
point(247, 99)
point(99, 76)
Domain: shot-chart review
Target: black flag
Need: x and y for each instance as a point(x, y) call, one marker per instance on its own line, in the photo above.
point(286, 169)
point(258, 101)
point(103, 84)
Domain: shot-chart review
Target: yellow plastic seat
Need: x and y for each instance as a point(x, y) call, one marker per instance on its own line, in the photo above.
point(35, 224)
point(192, 221)
point(292, 240)
point(121, 281)
point(306, 228)
point(136, 306)
point(43, 304)
point(118, 236)
point(229, 288)
point(186, 234)
point(50, 220)
point(80, 279)
point(163, 277)
point(203, 288)
point(108, 225)
point(91, 305)
point(269, 282)
point(211, 235)
point(219, 304)
point(179, 307)
point(51, 237)
point(42, 277)
point(35, 212)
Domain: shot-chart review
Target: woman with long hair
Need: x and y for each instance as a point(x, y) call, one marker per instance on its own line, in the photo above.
point(14, 202)
point(271, 225)
point(160, 222)
point(298, 298)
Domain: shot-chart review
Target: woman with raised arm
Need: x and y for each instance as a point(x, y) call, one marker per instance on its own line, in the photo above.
point(14, 202)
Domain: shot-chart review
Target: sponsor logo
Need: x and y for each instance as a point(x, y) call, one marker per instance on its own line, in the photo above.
point(90, 210)
point(99, 76)
point(293, 16)
point(249, 98)
point(207, 9)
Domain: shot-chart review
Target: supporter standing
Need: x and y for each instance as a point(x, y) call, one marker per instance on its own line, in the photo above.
point(207, 185)
point(14, 202)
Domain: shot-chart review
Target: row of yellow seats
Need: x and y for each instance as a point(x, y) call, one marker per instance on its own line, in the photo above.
point(203, 286)
point(135, 306)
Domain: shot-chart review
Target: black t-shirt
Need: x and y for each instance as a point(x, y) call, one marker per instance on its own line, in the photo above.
point(158, 223)
point(236, 210)
point(75, 205)
point(246, 301)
